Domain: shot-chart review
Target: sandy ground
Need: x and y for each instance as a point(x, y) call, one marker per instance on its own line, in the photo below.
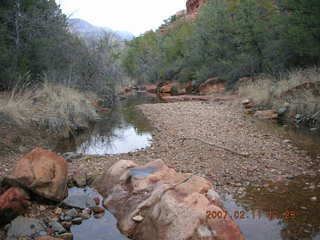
point(254, 157)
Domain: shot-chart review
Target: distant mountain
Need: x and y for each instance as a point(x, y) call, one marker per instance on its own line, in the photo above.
point(86, 29)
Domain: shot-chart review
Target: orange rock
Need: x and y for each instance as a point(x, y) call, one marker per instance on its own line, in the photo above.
point(166, 88)
point(169, 205)
point(43, 172)
point(267, 114)
point(212, 85)
point(13, 203)
point(151, 88)
point(193, 6)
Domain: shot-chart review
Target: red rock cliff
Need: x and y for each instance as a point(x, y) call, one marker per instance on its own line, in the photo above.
point(193, 6)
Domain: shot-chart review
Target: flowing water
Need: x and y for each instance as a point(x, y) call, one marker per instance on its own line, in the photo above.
point(287, 210)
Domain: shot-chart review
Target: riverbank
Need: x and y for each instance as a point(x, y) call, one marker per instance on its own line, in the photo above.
point(215, 140)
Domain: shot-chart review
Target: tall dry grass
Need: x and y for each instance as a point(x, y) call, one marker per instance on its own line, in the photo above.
point(274, 93)
point(53, 107)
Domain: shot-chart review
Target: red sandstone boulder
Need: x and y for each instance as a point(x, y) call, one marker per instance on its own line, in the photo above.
point(43, 172)
point(13, 203)
point(267, 114)
point(212, 85)
point(150, 88)
point(167, 88)
point(156, 202)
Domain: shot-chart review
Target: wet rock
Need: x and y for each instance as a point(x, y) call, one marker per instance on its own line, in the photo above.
point(163, 199)
point(66, 236)
point(98, 209)
point(79, 200)
point(72, 213)
point(43, 172)
point(25, 227)
point(57, 227)
point(13, 203)
point(66, 225)
point(77, 220)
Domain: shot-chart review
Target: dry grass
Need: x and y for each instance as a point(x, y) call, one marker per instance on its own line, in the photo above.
point(53, 107)
point(273, 93)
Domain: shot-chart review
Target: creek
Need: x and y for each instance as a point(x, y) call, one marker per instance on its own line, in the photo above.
point(284, 210)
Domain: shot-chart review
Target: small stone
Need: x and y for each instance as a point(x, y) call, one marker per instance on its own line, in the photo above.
point(71, 213)
point(66, 236)
point(100, 215)
point(138, 218)
point(57, 227)
point(84, 216)
point(42, 208)
point(77, 221)
point(97, 200)
point(98, 209)
point(287, 141)
point(66, 225)
point(314, 199)
point(58, 211)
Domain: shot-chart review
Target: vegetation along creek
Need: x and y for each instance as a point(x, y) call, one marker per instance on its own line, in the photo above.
point(206, 127)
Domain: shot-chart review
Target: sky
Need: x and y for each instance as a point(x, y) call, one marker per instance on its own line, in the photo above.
point(136, 17)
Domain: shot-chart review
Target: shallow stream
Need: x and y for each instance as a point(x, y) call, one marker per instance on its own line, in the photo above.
point(288, 210)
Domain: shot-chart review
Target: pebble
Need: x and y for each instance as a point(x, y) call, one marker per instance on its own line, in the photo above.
point(71, 213)
point(314, 199)
point(66, 236)
point(138, 218)
point(98, 209)
point(57, 227)
point(77, 220)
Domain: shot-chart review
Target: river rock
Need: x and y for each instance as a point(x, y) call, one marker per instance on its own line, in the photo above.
point(80, 200)
point(71, 213)
point(173, 205)
point(43, 172)
point(13, 203)
point(57, 227)
point(66, 236)
point(25, 227)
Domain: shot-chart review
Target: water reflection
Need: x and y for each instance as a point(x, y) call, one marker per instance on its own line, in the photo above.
point(288, 210)
point(104, 228)
point(123, 130)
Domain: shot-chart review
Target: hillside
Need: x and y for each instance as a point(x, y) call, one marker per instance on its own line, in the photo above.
point(86, 29)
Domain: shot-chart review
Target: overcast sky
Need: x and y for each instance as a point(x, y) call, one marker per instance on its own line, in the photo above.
point(134, 16)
